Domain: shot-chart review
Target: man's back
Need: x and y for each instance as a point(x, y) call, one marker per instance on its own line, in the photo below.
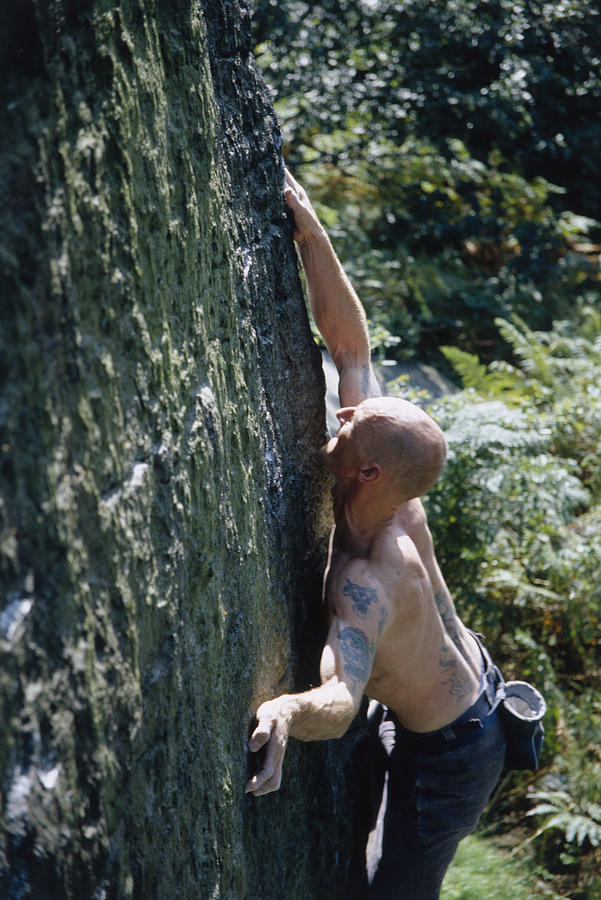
point(427, 667)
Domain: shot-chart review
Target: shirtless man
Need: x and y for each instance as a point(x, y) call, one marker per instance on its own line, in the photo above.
point(394, 633)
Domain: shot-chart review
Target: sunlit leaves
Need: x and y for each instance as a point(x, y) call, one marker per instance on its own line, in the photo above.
point(458, 135)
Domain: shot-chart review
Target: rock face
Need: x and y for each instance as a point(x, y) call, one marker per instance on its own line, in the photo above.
point(161, 526)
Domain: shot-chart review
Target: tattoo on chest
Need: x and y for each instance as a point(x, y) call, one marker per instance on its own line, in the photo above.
point(355, 652)
point(362, 597)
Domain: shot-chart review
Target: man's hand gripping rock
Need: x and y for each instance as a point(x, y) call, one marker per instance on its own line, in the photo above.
point(272, 734)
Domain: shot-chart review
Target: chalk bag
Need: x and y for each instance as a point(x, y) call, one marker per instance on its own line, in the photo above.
point(522, 709)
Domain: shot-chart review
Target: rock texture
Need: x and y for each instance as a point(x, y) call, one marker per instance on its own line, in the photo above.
point(161, 528)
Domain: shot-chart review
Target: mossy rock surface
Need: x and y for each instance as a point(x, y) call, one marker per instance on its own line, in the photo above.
point(161, 504)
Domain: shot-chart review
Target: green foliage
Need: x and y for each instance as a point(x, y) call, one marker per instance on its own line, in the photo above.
point(504, 499)
point(517, 76)
point(448, 145)
point(481, 871)
point(566, 803)
point(558, 374)
point(578, 823)
point(477, 376)
point(516, 514)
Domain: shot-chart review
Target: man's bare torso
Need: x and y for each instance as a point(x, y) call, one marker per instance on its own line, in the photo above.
point(427, 667)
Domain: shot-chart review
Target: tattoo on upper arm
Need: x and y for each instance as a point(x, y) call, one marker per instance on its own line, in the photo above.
point(362, 597)
point(365, 602)
point(356, 653)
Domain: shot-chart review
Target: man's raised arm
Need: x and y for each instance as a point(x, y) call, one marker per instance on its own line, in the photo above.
point(334, 304)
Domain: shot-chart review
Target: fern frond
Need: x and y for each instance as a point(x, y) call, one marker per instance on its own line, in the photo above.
point(496, 381)
point(581, 828)
point(579, 824)
point(529, 347)
point(492, 424)
point(542, 809)
point(472, 372)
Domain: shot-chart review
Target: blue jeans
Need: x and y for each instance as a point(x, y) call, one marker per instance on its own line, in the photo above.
point(431, 797)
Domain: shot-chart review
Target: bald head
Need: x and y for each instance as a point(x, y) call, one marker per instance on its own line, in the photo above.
point(404, 441)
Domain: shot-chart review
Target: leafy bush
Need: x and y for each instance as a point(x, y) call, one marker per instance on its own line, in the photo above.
point(516, 514)
point(566, 803)
point(447, 144)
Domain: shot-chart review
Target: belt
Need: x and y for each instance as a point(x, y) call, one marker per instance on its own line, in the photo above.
point(459, 733)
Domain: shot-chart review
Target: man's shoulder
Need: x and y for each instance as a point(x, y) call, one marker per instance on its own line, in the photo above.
point(361, 570)
point(412, 515)
point(413, 527)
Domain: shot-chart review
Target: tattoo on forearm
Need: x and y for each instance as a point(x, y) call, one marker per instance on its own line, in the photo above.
point(356, 653)
point(362, 597)
point(458, 684)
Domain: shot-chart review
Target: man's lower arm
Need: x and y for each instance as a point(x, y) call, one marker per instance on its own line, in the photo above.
point(335, 307)
point(321, 713)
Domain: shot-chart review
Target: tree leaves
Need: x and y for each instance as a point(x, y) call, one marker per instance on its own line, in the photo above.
point(458, 136)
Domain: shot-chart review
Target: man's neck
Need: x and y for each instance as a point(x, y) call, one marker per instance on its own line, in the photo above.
point(360, 519)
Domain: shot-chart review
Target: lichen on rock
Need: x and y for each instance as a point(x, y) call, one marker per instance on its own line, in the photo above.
point(161, 527)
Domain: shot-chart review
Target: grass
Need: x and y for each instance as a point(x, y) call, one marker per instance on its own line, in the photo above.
point(482, 872)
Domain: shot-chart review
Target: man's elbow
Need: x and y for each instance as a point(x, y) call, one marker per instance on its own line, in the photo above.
point(356, 383)
point(348, 707)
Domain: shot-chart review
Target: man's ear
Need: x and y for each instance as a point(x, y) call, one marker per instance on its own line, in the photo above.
point(370, 473)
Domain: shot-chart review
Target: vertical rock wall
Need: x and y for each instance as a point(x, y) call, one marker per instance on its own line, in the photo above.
point(160, 407)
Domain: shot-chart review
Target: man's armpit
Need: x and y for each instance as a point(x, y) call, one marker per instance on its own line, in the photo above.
point(357, 383)
point(356, 654)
